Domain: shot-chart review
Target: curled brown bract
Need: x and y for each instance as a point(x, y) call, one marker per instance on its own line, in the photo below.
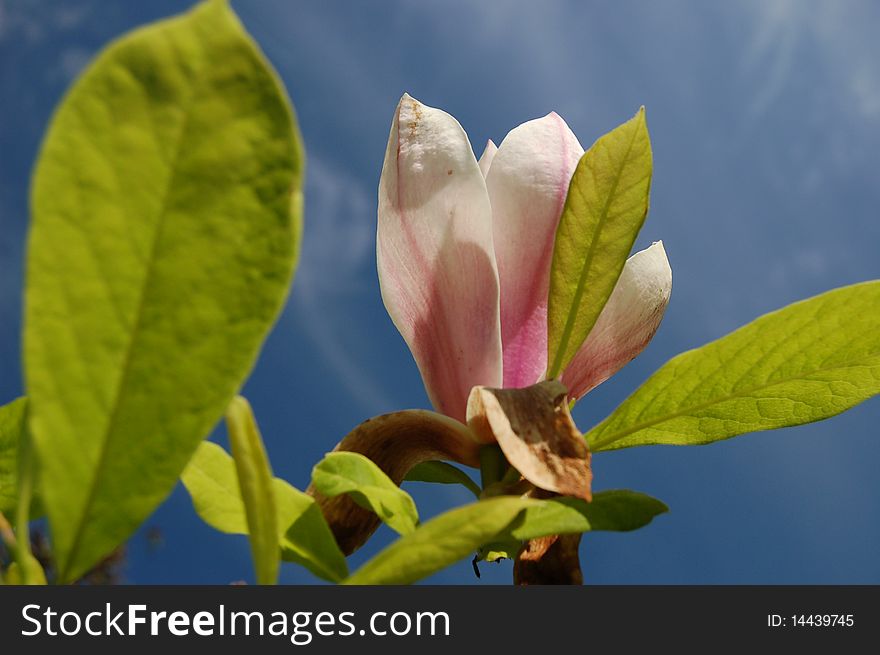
point(395, 442)
point(535, 430)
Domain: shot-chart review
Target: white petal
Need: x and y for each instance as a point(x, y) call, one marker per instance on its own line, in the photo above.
point(627, 323)
point(435, 256)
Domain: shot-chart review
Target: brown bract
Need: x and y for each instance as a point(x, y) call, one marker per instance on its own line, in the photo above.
point(395, 442)
point(534, 428)
point(549, 560)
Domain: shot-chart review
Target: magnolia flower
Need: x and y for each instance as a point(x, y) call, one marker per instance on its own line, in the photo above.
point(464, 250)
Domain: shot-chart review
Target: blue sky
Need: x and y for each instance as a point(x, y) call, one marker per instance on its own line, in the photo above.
point(765, 123)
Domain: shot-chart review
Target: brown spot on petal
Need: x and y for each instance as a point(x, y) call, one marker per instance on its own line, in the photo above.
point(417, 117)
point(535, 430)
point(395, 442)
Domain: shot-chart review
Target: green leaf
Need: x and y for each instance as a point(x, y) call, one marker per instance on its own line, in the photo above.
point(803, 363)
point(31, 573)
point(441, 473)
point(440, 542)
point(16, 489)
point(606, 205)
point(12, 425)
point(309, 542)
point(359, 477)
point(256, 484)
point(613, 510)
point(212, 482)
point(616, 510)
point(166, 220)
point(13, 432)
point(505, 548)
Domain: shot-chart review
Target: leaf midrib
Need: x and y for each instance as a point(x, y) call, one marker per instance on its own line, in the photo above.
point(601, 443)
point(554, 371)
point(136, 328)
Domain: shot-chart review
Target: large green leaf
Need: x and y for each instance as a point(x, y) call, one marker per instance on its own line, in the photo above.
point(441, 473)
point(606, 205)
point(803, 363)
point(358, 476)
point(166, 219)
point(441, 541)
point(12, 424)
point(212, 482)
point(256, 484)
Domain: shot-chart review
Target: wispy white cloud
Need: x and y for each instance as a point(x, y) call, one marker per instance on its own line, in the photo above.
point(839, 36)
point(339, 231)
point(335, 266)
point(71, 62)
point(807, 266)
point(865, 86)
point(15, 18)
point(37, 21)
point(771, 54)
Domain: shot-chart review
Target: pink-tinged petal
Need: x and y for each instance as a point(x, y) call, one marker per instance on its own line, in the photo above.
point(527, 184)
point(435, 256)
point(627, 323)
point(487, 157)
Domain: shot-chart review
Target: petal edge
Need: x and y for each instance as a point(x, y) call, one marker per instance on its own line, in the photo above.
point(527, 184)
point(627, 323)
point(435, 255)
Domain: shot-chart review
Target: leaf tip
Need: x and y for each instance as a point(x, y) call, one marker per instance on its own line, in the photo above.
point(641, 122)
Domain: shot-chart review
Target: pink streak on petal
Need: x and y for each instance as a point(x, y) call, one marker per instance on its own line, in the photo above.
point(528, 183)
point(435, 255)
point(627, 323)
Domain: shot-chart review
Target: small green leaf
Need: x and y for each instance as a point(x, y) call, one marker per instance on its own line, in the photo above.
point(165, 226)
point(803, 363)
point(616, 510)
point(256, 484)
point(309, 542)
point(359, 477)
point(12, 425)
point(606, 205)
point(441, 473)
point(212, 482)
point(440, 542)
point(31, 573)
point(13, 574)
point(13, 432)
point(16, 490)
point(504, 548)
